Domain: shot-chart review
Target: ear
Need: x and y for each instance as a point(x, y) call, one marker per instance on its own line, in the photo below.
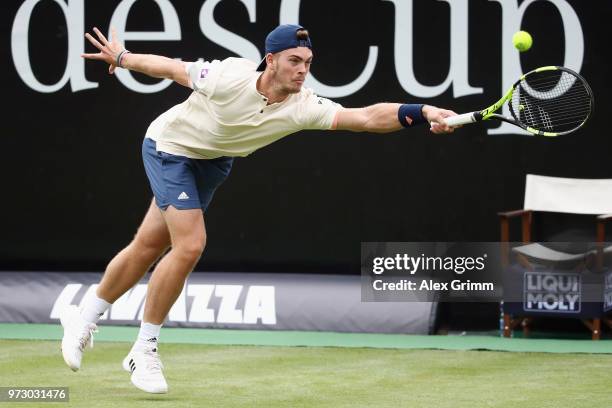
point(270, 61)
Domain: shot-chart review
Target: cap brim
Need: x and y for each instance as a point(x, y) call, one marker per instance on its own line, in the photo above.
point(262, 65)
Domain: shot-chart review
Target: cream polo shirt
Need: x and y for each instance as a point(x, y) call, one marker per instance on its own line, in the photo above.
point(227, 116)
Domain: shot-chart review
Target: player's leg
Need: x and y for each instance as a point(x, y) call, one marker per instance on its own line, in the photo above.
point(189, 188)
point(188, 237)
point(122, 273)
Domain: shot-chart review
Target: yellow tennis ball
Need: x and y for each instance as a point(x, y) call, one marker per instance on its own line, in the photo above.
point(522, 40)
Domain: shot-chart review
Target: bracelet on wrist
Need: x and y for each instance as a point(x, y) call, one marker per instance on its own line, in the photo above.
point(120, 58)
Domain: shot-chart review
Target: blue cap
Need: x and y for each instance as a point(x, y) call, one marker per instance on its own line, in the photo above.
point(282, 38)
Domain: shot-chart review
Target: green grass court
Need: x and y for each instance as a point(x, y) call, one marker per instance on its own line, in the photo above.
point(342, 374)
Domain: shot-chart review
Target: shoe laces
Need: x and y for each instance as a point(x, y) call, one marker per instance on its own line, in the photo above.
point(87, 336)
point(152, 360)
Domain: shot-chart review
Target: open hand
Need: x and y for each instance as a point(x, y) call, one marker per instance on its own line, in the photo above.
point(109, 50)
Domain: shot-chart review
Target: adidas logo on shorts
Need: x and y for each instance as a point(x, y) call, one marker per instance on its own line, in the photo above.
point(183, 196)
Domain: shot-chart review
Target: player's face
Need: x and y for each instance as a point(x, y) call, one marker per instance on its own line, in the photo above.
point(291, 67)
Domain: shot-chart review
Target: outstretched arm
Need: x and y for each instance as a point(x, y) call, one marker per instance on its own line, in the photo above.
point(155, 66)
point(384, 118)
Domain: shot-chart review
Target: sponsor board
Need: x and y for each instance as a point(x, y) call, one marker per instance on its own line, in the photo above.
point(254, 301)
point(241, 304)
point(552, 292)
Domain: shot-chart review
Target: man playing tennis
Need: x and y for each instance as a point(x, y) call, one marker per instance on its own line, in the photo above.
point(234, 109)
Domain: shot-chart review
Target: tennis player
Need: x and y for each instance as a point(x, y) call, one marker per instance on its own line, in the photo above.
point(236, 107)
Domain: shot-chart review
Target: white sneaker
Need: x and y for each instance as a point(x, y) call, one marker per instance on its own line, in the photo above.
point(146, 369)
point(77, 333)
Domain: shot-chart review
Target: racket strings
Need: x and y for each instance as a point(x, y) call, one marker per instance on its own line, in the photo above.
point(551, 101)
point(568, 109)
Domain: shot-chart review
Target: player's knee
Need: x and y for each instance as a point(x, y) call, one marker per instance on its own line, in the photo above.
point(192, 249)
point(150, 243)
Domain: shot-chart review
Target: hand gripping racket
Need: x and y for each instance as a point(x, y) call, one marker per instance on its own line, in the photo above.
point(548, 101)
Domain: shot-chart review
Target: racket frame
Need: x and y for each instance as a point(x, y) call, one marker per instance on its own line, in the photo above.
point(489, 113)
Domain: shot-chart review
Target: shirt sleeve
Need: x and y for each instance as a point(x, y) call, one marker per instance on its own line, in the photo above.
point(319, 113)
point(202, 75)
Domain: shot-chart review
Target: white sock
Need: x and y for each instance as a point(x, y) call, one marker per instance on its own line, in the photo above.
point(147, 336)
point(93, 308)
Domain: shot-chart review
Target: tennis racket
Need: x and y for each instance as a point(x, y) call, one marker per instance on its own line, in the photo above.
point(548, 101)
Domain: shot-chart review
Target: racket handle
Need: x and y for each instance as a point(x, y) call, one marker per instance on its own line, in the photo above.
point(463, 119)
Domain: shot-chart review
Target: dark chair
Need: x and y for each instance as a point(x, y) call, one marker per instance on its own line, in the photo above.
point(561, 197)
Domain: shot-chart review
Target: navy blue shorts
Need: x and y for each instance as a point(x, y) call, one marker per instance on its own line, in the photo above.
point(182, 182)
